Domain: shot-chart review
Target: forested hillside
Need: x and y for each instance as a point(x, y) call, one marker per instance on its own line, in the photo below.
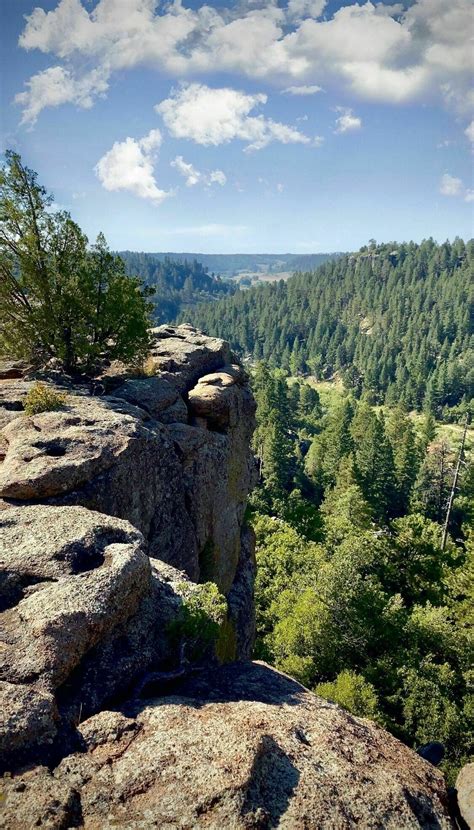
point(178, 285)
point(229, 265)
point(365, 575)
point(394, 321)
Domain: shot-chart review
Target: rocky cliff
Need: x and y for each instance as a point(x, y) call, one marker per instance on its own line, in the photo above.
point(113, 510)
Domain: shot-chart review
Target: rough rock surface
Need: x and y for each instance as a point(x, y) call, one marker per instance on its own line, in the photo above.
point(132, 455)
point(182, 355)
point(85, 612)
point(244, 747)
point(106, 507)
point(465, 794)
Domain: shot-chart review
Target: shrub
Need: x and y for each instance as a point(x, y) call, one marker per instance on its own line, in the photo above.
point(201, 618)
point(353, 692)
point(43, 398)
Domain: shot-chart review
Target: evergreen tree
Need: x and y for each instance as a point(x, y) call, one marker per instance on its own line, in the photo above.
point(58, 299)
point(373, 460)
point(405, 453)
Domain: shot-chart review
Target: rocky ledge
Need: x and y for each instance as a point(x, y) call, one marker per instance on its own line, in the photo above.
point(113, 509)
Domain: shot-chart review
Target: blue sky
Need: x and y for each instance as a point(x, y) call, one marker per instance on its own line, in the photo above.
point(254, 126)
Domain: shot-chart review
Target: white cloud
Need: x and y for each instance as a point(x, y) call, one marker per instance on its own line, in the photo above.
point(300, 9)
point(55, 86)
point(318, 141)
point(469, 131)
point(380, 52)
point(304, 89)
point(217, 116)
point(453, 186)
point(217, 177)
point(280, 187)
point(194, 176)
point(129, 164)
point(347, 121)
point(187, 170)
point(450, 185)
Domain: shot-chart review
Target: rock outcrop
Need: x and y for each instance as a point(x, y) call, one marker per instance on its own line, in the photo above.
point(142, 455)
point(242, 747)
point(112, 510)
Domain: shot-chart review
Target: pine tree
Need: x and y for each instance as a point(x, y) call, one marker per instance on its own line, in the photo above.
point(406, 458)
point(373, 460)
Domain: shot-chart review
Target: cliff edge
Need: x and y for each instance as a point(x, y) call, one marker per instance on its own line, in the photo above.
point(114, 511)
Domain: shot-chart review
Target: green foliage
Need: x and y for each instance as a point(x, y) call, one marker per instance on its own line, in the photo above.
point(43, 398)
point(357, 596)
point(177, 285)
point(352, 692)
point(58, 298)
point(393, 321)
point(202, 616)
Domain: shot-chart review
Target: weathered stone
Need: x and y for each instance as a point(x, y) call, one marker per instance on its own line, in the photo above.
point(177, 413)
point(107, 455)
point(86, 614)
point(217, 474)
point(241, 747)
point(153, 394)
point(12, 397)
point(80, 574)
point(12, 369)
point(28, 716)
point(219, 398)
point(55, 452)
point(182, 355)
point(240, 599)
point(38, 799)
point(465, 794)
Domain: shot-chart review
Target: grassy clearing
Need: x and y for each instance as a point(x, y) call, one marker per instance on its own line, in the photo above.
point(331, 392)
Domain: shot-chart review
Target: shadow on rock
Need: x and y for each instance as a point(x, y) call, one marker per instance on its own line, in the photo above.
point(271, 784)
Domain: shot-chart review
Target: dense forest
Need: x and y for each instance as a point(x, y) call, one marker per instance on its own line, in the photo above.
point(393, 321)
point(177, 285)
point(363, 373)
point(229, 265)
point(365, 579)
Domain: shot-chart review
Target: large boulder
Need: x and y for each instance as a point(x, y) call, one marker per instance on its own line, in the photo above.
point(84, 612)
point(182, 355)
point(242, 747)
point(218, 398)
point(109, 456)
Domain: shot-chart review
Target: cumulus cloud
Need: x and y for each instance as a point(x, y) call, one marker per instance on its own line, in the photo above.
point(450, 185)
point(453, 186)
point(217, 116)
point(380, 52)
point(304, 89)
point(55, 86)
point(129, 164)
point(301, 9)
point(194, 176)
point(347, 121)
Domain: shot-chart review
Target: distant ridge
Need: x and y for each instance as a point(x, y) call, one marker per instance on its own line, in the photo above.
point(230, 265)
